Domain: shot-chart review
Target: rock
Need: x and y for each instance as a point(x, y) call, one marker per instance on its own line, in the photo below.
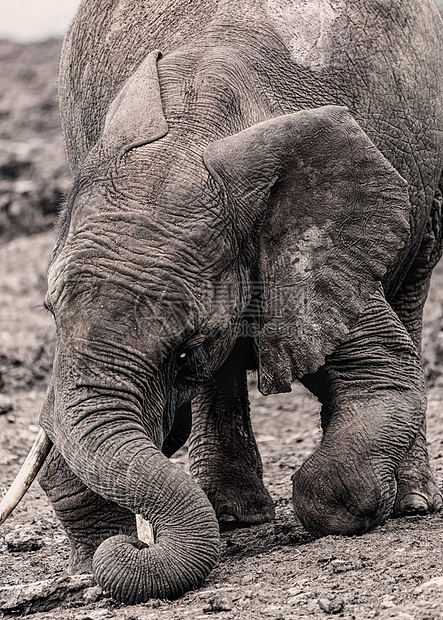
point(92, 595)
point(217, 604)
point(97, 614)
point(25, 186)
point(331, 605)
point(23, 539)
point(342, 566)
point(434, 584)
point(5, 405)
point(45, 595)
point(294, 600)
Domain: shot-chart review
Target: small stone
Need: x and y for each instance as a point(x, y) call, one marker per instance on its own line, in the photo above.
point(92, 595)
point(23, 539)
point(247, 579)
point(332, 605)
point(153, 603)
point(217, 604)
point(295, 600)
point(340, 566)
point(97, 614)
point(25, 186)
point(433, 585)
point(5, 405)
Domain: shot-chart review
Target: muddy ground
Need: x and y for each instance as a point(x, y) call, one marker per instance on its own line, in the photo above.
point(273, 571)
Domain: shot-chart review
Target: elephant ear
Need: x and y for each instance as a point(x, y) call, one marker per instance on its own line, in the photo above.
point(136, 116)
point(334, 217)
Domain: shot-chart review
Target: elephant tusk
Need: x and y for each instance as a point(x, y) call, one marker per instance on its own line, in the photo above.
point(145, 531)
point(29, 470)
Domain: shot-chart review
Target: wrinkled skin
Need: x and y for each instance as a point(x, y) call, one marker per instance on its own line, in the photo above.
point(228, 213)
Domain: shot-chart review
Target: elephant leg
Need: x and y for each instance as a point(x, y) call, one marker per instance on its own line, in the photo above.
point(417, 489)
point(224, 458)
point(87, 518)
point(373, 398)
point(418, 492)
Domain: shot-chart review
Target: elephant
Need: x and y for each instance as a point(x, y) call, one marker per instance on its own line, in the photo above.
point(257, 185)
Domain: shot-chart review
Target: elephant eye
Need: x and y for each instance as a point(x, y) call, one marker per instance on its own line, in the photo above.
point(182, 359)
point(189, 350)
point(191, 362)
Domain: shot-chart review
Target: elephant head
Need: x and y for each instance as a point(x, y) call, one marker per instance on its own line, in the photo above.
point(165, 236)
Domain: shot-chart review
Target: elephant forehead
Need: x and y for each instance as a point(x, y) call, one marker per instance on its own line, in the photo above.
point(89, 278)
point(100, 314)
point(111, 237)
point(161, 293)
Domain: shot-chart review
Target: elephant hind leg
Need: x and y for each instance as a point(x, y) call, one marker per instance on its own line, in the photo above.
point(418, 492)
point(87, 518)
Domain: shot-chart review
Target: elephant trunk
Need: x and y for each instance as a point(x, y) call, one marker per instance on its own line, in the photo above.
point(104, 444)
point(185, 532)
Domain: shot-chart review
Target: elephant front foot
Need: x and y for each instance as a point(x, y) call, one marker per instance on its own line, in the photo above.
point(238, 501)
point(342, 493)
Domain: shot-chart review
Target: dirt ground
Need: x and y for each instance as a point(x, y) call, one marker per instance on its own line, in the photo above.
point(273, 571)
